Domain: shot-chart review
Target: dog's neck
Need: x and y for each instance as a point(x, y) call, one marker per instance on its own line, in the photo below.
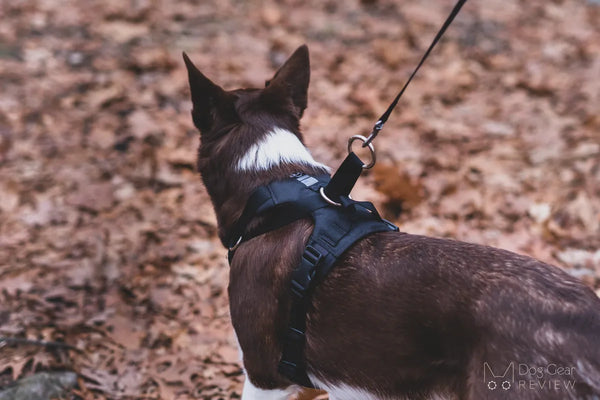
point(276, 155)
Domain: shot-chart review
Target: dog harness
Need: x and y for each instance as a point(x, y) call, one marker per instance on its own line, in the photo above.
point(337, 226)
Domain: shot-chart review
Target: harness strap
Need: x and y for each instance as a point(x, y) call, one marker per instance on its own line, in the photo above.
point(292, 364)
point(336, 230)
point(258, 200)
point(265, 198)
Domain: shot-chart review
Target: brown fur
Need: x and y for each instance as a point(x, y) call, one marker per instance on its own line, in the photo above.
point(401, 316)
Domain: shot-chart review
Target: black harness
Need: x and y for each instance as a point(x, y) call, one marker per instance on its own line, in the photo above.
point(338, 225)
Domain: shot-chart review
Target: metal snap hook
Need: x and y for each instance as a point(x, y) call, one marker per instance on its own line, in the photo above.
point(371, 149)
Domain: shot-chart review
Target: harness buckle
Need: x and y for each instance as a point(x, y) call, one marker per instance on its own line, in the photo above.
point(299, 289)
point(288, 369)
point(312, 255)
point(294, 335)
point(291, 364)
point(301, 282)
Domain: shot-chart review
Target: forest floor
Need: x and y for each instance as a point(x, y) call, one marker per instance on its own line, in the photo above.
point(108, 239)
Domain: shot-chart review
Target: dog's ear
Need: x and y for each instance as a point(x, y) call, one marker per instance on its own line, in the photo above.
point(207, 97)
point(292, 79)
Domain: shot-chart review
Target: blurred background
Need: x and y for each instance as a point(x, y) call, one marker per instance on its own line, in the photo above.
point(107, 237)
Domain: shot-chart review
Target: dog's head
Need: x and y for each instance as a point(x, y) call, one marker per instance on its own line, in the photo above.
point(249, 137)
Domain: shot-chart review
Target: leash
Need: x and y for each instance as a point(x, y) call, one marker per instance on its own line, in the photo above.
point(349, 171)
point(384, 117)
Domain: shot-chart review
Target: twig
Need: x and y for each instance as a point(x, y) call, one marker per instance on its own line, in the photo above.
point(42, 343)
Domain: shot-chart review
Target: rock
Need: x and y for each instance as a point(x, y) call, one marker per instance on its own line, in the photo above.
point(41, 386)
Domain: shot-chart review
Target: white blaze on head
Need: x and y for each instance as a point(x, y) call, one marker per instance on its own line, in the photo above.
point(279, 146)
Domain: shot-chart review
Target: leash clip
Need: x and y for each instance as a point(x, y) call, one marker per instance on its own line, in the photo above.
point(366, 142)
point(376, 128)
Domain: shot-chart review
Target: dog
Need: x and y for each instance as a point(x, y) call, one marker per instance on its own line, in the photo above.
point(400, 316)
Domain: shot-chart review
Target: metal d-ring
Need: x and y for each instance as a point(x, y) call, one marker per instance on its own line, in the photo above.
point(327, 199)
point(371, 149)
point(236, 245)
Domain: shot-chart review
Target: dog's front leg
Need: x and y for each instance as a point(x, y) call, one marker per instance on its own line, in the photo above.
point(251, 392)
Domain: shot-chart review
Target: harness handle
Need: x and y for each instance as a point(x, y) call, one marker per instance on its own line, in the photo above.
point(384, 117)
point(343, 180)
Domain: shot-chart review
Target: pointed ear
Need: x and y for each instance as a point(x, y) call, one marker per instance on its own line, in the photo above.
point(206, 96)
point(292, 79)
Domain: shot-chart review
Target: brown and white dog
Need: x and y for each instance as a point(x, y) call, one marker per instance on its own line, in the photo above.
point(400, 316)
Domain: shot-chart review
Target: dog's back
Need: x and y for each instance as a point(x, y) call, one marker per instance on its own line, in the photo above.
point(440, 316)
point(405, 316)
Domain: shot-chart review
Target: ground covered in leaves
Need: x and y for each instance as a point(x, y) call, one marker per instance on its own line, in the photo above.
point(109, 262)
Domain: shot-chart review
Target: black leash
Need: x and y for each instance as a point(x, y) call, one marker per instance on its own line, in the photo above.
point(348, 173)
point(384, 117)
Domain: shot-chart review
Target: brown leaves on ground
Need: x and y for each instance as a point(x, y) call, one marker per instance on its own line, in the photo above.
point(107, 237)
point(401, 192)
